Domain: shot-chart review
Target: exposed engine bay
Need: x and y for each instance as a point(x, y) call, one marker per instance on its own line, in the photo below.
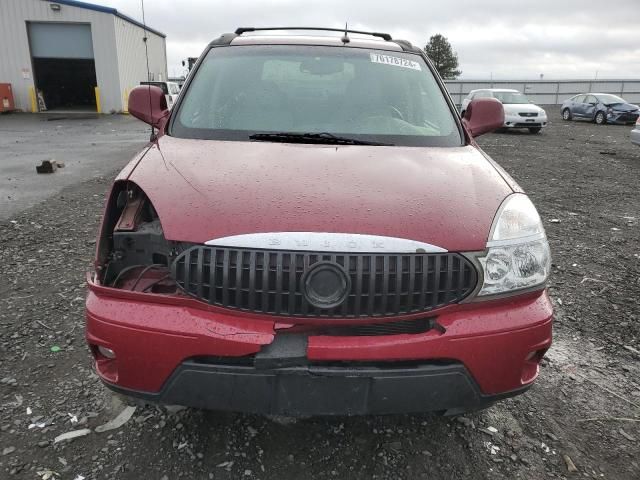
point(133, 253)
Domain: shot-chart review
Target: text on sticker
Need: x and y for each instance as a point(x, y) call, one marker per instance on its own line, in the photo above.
point(396, 61)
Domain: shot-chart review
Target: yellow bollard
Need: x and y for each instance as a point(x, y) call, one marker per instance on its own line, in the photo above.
point(98, 104)
point(32, 99)
point(125, 102)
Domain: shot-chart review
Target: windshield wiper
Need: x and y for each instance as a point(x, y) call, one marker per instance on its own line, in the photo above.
point(322, 137)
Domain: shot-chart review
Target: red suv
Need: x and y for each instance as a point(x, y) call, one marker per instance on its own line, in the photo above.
point(312, 230)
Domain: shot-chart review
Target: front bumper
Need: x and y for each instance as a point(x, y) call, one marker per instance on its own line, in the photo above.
point(323, 390)
point(178, 351)
point(635, 136)
point(622, 118)
point(516, 121)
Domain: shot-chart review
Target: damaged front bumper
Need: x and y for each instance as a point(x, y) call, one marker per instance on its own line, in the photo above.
point(323, 390)
point(622, 118)
point(179, 351)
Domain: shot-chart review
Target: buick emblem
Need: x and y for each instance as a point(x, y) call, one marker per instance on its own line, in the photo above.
point(326, 285)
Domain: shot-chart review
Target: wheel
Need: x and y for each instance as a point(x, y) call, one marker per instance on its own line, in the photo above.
point(566, 114)
point(535, 129)
point(600, 118)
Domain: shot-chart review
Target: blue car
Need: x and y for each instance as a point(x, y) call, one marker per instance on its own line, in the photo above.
point(600, 108)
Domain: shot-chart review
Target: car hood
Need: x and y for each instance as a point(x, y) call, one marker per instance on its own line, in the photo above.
point(205, 189)
point(512, 108)
point(623, 107)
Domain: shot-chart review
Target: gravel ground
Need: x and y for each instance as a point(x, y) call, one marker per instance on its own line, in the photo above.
point(582, 177)
point(89, 145)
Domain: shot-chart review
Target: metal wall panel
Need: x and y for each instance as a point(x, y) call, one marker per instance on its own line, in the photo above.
point(17, 68)
point(132, 63)
point(543, 98)
point(511, 85)
point(632, 97)
point(548, 92)
point(15, 64)
point(600, 87)
point(538, 87)
point(568, 89)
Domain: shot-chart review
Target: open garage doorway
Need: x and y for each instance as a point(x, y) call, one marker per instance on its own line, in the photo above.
point(63, 65)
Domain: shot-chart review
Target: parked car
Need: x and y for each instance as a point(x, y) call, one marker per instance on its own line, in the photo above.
point(519, 112)
point(170, 90)
point(635, 133)
point(600, 108)
point(313, 230)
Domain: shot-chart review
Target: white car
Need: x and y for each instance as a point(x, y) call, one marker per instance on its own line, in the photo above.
point(519, 112)
point(170, 89)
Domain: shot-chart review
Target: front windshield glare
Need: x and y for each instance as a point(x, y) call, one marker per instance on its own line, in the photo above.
point(378, 96)
point(511, 97)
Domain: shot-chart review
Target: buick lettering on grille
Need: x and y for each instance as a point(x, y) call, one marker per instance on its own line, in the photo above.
point(319, 276)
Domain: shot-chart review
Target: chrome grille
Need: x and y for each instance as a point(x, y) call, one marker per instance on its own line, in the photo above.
point(528, 114)
point(269, 281)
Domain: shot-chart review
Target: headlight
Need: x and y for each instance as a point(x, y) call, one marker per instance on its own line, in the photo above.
point(542, 113)
point(517, 255)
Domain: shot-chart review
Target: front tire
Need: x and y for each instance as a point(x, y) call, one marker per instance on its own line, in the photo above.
point(535, 129)
point(600, 118)
point(566, 115)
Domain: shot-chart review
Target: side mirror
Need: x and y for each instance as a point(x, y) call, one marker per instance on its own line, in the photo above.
point(483, 115)
point(148, 103)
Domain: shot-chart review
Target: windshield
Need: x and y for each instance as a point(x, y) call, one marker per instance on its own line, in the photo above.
point(511, 97)
point(610, 99)
point(368, 95)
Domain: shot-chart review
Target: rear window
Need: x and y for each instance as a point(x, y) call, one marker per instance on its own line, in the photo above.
point(389, 97)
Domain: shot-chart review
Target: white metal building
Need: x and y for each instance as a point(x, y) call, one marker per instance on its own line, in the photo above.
point(71, 55)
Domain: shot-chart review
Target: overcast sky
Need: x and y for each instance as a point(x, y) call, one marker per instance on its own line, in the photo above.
point(505, 39)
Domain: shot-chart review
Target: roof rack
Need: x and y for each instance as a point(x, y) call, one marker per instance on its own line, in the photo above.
point(384, 36)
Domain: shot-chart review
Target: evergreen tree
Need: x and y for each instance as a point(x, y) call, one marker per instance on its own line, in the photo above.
point(443, 57)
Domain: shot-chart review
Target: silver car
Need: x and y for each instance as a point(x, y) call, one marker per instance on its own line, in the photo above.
point(635, 134)
point(600, 108)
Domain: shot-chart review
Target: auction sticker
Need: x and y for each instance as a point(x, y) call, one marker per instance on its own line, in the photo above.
point(395, 61)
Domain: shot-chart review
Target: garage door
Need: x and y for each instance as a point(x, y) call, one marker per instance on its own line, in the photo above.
point(63, 65)
point(60, 40)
